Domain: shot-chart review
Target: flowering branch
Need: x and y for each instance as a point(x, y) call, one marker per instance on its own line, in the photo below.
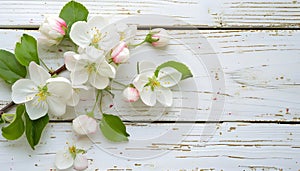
point(12, 104)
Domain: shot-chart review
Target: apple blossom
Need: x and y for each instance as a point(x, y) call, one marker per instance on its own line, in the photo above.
point(52, 31)
point(131, 94)
point(158, 37)
point(95, 32)
point(72, 156)
point(84, 125)
point(127, 33)
point(89, 66)
point(41, 93)
point(152, 87)
point(120, 54)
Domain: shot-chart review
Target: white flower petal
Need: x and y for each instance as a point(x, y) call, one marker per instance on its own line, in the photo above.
point(72, 61)
point(38, 74)
point(36, 109)
point(148, 96)
point(79, 77)
point(169, 77)
point(146, 66)
point(130, 33)
point(96, 22)
point(74, 99)
point(106, 70)
point(80, 162)
point(57, 106)
point(84, 125)
point(98, 81)
point(110, 38)
point(164, 96)
point(23, 91)
point(80, 34)
point(140, 80)
point(59, 87)
point(94, 54)
point(63, 160)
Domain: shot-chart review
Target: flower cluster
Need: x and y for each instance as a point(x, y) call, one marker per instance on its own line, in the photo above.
point(100, 48)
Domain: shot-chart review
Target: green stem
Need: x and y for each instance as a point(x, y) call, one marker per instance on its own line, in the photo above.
point(109, 92)
point(100, 107)
point(138, 43)
point(49, 70)
point(120, 83)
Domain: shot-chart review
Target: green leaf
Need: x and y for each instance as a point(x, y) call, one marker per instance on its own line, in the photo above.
point(180, 67)
point(113, 128)
point(34, 129)
point(73, 12)
point(16, 128)
point(26, 50)
point(10, 69)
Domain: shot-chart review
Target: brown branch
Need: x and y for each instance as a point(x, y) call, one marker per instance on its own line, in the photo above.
point(59, 70)
point(12, 104)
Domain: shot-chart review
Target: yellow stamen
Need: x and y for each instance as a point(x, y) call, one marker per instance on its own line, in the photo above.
point(43, 93)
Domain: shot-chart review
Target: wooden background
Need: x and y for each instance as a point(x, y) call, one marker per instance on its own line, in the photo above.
point(257, 44)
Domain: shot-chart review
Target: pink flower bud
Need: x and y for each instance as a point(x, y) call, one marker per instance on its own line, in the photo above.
point(120, 54)
point(160, 37)
point(80, 162)
point(52, 31)
point(131, 94)
point(84, 125)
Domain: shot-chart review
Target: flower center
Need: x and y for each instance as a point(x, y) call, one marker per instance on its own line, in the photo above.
point(43, 93)
point(96, 37)
point(91, 67)
point(72, 149)
point(153, 82)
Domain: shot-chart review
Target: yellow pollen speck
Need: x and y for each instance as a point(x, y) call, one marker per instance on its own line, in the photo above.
point(96, 37)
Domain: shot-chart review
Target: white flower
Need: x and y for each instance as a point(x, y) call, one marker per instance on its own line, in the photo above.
point(159, 37)
point(152, 88)
point(71, 157)
point(89, 66)
point(84, 125)
point(131, 94)
point(95, 32)
point(127, 33)
point(120, 54)
point(42, 94)
point(52, 31)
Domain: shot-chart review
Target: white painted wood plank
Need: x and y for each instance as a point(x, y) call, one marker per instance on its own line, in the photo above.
point(231, 146)
point(260, 67)
point(204, 13)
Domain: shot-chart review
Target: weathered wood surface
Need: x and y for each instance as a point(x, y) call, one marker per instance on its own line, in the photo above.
point(261, 76)
point(204, 13)
point(260, 73)
point(232, 146)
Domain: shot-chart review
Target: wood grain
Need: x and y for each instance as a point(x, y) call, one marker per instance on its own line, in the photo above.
point(231, 146)
point(259, 67)
point(191, 13)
